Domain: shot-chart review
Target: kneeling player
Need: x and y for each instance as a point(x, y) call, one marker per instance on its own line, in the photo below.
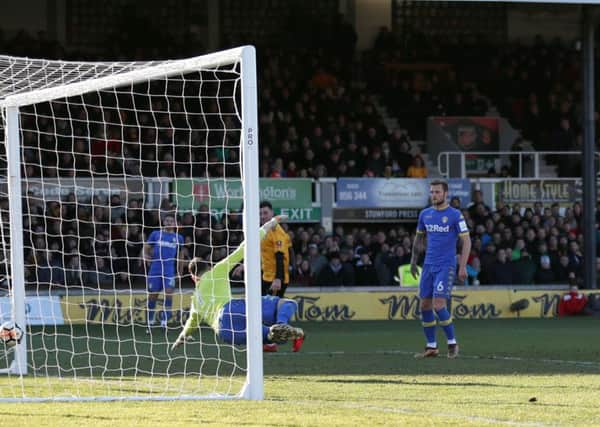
point(213, 305)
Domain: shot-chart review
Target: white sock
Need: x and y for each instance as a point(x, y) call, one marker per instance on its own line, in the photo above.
point(452, 341)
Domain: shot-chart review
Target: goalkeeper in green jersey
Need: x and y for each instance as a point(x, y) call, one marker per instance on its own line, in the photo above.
point(213, 305)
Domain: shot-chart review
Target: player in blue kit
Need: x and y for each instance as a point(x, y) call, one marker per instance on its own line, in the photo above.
point(162, 251)
point(443, 225)
point(213, 305)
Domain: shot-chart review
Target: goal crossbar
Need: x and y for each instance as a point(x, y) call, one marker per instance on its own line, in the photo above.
point(165, 69)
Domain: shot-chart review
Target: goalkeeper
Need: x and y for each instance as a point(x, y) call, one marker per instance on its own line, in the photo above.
point(213, 305)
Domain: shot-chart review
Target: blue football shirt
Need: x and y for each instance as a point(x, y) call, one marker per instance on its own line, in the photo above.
point(442, 228)
point(164, 252)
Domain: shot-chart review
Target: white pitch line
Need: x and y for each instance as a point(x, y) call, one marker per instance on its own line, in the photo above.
point(462, 356)
point(474, 418)
point(409, 411)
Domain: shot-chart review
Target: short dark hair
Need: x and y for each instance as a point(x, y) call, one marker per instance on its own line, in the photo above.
point(441, 182)
point(266, 204)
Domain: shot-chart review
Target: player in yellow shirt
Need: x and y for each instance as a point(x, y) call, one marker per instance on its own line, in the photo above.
point(276, 252)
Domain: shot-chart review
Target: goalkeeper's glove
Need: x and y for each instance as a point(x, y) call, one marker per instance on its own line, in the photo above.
point(272, 223)
point(181, 339)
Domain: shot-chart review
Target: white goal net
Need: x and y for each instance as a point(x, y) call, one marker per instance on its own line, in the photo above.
point(96, 161)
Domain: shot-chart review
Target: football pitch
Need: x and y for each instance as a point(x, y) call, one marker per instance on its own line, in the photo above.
point(518, 372)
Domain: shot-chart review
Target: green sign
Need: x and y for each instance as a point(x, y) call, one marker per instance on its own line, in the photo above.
point(300, 214)
point(228, 194)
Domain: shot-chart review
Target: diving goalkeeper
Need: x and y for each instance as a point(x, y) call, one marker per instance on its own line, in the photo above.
point(213, 305)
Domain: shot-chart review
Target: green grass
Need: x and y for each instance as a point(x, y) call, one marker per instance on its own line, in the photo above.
point(511, 372)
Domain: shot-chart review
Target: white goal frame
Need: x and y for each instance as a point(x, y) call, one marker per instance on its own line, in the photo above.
point(253, 388)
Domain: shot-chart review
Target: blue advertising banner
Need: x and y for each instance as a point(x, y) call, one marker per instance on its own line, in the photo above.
point(394, 192)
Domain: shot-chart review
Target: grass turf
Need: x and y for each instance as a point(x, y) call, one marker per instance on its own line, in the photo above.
point(510, 372)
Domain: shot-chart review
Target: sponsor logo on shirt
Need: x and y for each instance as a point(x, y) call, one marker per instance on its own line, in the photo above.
point(435, 228)
point(167, 244)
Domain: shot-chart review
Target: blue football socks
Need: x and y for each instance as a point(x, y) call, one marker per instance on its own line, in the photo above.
point(285, 311)
point(445, 321)
point(428, 321)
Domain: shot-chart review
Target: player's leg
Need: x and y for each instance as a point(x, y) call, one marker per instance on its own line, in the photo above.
point(269, 309)
point(427, 314)
point(279, 311)
point(169, 286)
point(441, 294)
point(286, 308)
point(232, 323)
point(154, 287)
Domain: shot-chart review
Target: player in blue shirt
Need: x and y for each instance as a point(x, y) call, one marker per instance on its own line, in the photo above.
point(162, 251)
point(443, 225)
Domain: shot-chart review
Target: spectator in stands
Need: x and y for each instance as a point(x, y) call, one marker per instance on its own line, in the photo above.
point(563, 270)
point(455, 202)
point(473, 271)
point(524, 268)
point(99, 275)
point(73, 273)
point(404, 158)
point(304, 275)
point(333, 273)
point(502, 271)
point(544, 274)
point(347, 260)
point(43, 272)
point(316, 259)
point(417, 169)
point(365, 272)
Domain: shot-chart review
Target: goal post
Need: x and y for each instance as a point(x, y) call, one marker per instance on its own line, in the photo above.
point(254, 386)
point(78, 135)
point(18, 365)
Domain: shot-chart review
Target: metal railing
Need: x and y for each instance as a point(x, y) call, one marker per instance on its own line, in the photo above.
point(456, 161)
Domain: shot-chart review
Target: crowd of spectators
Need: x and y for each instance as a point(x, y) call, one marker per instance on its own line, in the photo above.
point(99, 244)
point(511, 245)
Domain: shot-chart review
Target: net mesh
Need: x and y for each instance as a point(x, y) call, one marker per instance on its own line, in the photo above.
point(101, 171)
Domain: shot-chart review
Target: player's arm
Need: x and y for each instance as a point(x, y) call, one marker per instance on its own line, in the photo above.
point(180, 259)
point(147, 252)
point(180, 262)
point(465, 240)
point(292, 258)
point(417, 250)
point(238, 255)
point(279, 269)
point(418, 246)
